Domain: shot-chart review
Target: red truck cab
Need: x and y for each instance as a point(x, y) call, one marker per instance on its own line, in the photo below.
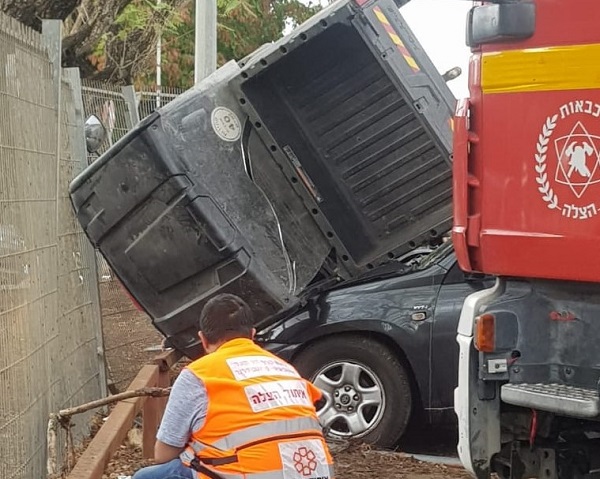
point(526, 186)
point(527, 145)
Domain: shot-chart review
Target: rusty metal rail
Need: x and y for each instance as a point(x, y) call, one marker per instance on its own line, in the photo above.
point(95, 458)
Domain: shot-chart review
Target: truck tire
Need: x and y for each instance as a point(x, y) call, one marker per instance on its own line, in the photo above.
point(367, 392)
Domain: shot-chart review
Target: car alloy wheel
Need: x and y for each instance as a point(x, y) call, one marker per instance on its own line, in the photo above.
point(354, 399)
point(374, 395)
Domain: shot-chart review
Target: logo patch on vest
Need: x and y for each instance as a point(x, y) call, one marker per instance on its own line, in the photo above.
point(247, 367)
point(304, 460)
point(277, 394)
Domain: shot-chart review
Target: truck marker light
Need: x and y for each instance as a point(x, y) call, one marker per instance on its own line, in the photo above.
point(562, 316)
point(485, 333)
point(533, 428)
point(137, 305)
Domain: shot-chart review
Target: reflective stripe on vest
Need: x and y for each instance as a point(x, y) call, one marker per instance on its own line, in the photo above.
point(255, 433)
point(266, 475)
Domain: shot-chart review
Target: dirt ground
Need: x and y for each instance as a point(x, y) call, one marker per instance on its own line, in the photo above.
point(355, 461)
point(128, 332)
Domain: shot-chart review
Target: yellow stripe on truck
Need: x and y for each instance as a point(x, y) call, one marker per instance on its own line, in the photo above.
point(397, 40)
point(380, 16)
point(572, 67)
point(411, 63)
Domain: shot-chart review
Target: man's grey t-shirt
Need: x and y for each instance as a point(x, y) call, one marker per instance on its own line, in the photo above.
point(186, 410)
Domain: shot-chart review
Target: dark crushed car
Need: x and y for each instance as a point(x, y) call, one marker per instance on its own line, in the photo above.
point(382, 347)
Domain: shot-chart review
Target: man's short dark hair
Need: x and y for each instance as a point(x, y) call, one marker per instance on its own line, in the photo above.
point(226, 317)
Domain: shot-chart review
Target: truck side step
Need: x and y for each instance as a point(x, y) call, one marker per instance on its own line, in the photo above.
point(556, 398)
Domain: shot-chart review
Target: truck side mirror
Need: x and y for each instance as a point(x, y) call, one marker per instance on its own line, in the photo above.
point(95, 134)
point(500, 22)
point(452, 74)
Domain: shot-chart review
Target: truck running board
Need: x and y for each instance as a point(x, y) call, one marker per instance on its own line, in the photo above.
point(556, 398)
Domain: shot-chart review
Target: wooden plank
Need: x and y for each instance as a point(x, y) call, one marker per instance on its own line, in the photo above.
point(164, 381)
point(95, 458)
point(153, 412)
point(150, 416)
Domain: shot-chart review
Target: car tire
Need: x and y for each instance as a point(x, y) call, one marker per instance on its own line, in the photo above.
point(350, 396)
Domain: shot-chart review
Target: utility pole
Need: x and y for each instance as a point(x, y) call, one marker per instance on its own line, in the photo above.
point(158, 65)
point(206, 39)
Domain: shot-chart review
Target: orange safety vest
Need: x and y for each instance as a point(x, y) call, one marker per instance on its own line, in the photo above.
point(261, 421)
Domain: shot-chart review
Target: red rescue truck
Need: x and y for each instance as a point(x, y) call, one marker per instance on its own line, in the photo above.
point(526, 175)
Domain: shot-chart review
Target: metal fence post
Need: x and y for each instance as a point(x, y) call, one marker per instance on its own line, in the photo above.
point(51, 40)
point(205, 51)
point(132, 105)
point(72, 75)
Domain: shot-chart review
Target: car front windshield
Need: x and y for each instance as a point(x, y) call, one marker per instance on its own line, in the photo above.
point(436, 255)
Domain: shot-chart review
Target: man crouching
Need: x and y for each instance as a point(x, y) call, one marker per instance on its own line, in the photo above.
point(239, 411)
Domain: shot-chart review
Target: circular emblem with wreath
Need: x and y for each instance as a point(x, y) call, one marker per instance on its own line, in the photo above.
point(571, 160)
point(548, 194)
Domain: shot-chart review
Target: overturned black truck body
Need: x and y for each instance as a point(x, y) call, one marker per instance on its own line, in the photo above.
point(311, 161)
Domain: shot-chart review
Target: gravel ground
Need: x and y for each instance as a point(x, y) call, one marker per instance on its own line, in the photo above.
point(355, 461)
point(127, 333)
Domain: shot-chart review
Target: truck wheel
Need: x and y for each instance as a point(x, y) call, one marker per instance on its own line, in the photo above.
point(366, 389)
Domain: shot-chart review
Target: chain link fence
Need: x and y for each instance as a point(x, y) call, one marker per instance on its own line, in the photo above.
point(149, 101)
point(129, 337)
point(50, 330)
point(107, 103)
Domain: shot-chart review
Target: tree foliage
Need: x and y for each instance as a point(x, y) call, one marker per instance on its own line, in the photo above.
point(243, 26)
point(31, 12)
point(116, 40)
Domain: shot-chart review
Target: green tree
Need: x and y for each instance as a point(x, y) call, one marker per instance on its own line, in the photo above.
point(107, 39)
point(243, 26)
point(115, 40)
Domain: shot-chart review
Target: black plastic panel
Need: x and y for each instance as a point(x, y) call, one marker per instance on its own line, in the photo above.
point(313, 159)
point(175, 213)
point(360, 136)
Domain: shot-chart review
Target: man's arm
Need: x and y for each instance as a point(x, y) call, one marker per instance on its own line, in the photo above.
point(185, 413)
point(165, 453)
point(316, 395)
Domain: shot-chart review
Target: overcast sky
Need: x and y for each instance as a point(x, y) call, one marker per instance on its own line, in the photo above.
point(439, 25)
